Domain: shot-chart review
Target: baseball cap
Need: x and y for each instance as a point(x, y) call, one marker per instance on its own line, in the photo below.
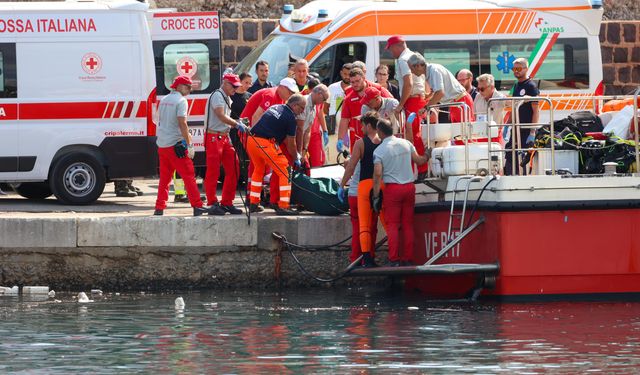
point(232, 79)
point(181, 80)
point(369, 93)
point(393, 40)
point(290, 83)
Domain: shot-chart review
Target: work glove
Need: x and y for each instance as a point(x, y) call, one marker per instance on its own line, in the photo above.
point(530, 140)
point(191, 151)
point(325, 139)
point(180, 149)
point(298, 162)
point(242, 128)
point(340, 145)
point(411, 118)
point(376, 201)
point(342, 194)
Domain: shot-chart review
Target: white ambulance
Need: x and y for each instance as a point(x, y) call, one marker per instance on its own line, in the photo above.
point(558, 37)
point(77, 90)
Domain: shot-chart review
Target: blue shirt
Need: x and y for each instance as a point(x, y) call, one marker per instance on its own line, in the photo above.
point(277, 122)
point(257, 86)
point(521, 89)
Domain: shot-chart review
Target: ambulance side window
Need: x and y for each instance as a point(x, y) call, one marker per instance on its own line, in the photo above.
point(452, 54)
point(329, 63)
point(565, 65)
point(199, 60)
point(8, 83)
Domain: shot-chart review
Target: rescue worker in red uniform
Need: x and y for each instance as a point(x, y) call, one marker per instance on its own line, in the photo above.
point(412, 91)
point(218, 147)
point(175, 148)
point(352, 106)
point(392, 166)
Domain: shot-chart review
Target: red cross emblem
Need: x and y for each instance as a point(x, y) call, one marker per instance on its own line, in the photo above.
point(187, 66)
point(91, 63)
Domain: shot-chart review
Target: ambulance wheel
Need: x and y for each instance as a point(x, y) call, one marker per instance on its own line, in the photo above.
point(77, 178)
point(33, 190)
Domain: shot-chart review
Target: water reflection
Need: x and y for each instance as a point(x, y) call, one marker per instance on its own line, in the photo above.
point(354, 331)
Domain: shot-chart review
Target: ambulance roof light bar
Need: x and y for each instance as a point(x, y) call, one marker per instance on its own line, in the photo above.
point(596, 4)
point(287, 9)
point(323, 13)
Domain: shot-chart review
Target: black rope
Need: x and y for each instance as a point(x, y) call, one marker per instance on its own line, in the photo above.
point(475, 206)
point(283, 240)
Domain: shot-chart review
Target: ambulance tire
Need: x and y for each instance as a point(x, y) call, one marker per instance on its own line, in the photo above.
point(33, 190)
point(77, 178)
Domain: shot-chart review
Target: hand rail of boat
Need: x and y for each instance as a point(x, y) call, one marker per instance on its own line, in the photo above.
point(466, 120)
point(516, 142)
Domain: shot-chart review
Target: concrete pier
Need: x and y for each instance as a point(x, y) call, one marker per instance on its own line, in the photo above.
point(114, 247)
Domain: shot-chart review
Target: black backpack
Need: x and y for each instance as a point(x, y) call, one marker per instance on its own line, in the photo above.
point(584, 122)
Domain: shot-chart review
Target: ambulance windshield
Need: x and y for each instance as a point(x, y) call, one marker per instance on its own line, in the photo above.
point(277, 50)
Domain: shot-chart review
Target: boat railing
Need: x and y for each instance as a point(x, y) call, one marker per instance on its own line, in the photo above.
point(466, 125)
point(516, 142)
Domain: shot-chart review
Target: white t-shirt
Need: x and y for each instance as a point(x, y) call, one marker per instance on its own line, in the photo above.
point(170, 108)
point(309, 114)
point(218, 99)
point(481, 106)
point(336, 95)
point(402, 67)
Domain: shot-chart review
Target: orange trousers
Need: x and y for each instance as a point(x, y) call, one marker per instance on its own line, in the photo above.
point(367, 217)
point(263, 153)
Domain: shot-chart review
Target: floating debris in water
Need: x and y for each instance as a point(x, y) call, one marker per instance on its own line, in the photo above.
point(211, 305)
point(82, 298)
point(413, 308)
point(51, 294)
point(35, 290)
point(6, 291)
point(96, 291)
point(179, 303)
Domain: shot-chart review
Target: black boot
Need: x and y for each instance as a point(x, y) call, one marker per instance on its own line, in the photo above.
point(368, 261)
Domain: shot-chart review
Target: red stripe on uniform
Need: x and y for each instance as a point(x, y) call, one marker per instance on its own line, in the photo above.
point(127, 112)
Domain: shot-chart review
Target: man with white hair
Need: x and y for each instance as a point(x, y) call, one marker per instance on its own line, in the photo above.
point(445, 88)
point(487, 90)
point(318, 95)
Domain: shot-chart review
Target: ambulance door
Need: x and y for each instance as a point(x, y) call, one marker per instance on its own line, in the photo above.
point(329, 63)
point(188, 44)
point(10, 161)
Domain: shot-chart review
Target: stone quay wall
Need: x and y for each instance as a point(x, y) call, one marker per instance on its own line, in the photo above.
point(161, 253)
point(619, 40)
point(620, 46)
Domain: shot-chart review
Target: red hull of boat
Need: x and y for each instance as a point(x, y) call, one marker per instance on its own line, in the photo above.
point(539, 252)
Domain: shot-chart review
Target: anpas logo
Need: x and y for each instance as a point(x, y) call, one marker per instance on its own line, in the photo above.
point(544, 27)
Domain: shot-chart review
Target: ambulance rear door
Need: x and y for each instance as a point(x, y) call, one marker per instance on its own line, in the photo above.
point(188, 44)
point(9, 155)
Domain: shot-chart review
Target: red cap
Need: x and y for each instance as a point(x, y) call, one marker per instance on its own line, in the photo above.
point(232, 79)
point(393, 40)
point(369, 94)
point(181, 80)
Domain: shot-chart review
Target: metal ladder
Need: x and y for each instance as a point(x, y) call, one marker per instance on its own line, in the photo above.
point(460, 215)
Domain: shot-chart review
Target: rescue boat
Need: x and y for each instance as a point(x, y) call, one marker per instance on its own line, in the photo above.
point(554, 233)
